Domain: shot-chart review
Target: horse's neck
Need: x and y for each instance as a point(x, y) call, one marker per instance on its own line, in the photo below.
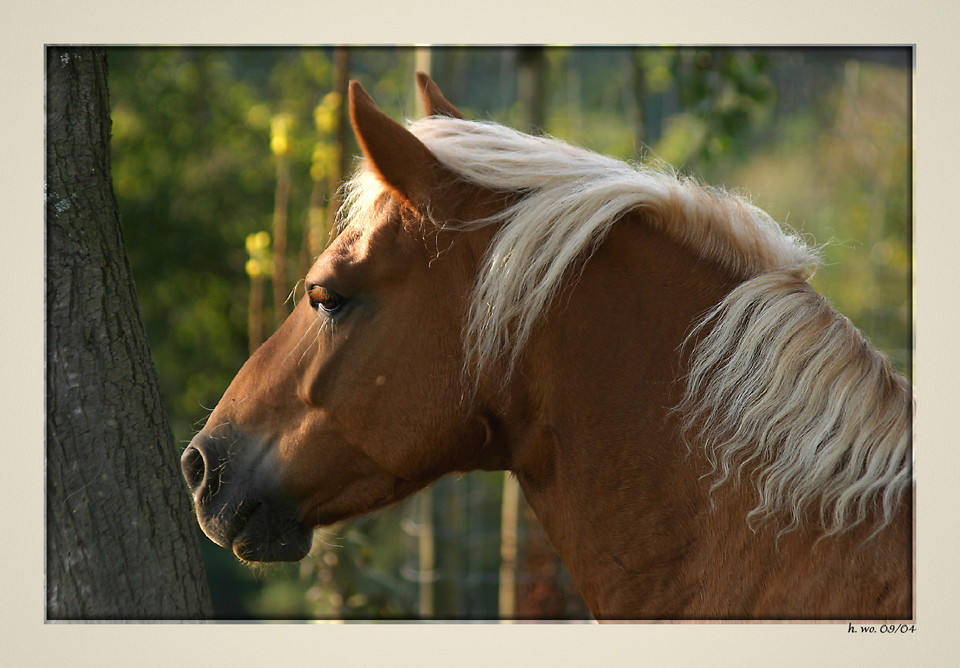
point(601, 461)
point(763, 572)
point(595, 445)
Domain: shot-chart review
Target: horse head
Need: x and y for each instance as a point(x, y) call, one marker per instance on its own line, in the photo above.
point(361, 397)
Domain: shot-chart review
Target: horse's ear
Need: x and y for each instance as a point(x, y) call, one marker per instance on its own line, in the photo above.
point(400, 159)
point(434, 102)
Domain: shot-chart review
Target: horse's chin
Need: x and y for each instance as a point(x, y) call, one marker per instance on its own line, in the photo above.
point(267, 537)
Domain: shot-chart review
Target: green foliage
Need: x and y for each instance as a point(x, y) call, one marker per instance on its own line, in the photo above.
point(724, 93)
point(195, 177)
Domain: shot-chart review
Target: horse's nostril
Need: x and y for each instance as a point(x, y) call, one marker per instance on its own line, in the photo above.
point(193, 467)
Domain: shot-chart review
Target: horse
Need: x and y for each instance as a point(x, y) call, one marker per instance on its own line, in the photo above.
point(700, 433)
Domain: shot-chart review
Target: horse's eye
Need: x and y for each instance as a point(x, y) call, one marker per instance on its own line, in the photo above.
point(322, 298)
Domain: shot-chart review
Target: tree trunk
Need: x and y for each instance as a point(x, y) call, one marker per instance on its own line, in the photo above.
point(120, 538)
point(532, 78)
point(637, 95)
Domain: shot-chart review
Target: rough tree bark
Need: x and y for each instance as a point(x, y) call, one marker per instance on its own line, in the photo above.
point(120, 538)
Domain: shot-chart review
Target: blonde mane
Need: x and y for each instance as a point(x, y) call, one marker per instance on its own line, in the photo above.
point(780, 377)
point(784, 381)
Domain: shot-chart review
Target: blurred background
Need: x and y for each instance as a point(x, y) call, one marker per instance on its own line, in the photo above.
point(226, 163)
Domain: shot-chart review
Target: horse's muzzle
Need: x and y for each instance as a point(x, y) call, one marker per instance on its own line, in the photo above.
point(238, 504)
